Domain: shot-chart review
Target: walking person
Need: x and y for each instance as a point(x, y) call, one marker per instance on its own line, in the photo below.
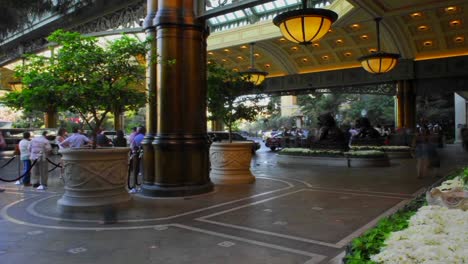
point(2, 146)
point(425, 152)
point(62, 134)
point(39, 149)
point(24, 145)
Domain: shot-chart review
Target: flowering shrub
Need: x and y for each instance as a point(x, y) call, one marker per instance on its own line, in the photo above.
point(435, 235)
point(455, 183)
point(382, 148)
point(310, 152)
point(364, 153)
point(395, 148)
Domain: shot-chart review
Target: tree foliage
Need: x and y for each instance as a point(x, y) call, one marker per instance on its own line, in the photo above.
point(230, 98)
point(84, 77)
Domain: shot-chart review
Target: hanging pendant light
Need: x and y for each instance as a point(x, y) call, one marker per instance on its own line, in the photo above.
point(305, 25)
point(379, 61)
point(253, 75)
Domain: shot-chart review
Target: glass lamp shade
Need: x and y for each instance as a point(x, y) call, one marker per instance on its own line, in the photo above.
point(304, 26)
point(379, 62)
point(254, 76)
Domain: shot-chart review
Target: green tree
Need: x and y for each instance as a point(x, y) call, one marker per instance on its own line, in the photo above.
point(42, 86)
point(99, 80)
point(230, 98)
point(84, 77)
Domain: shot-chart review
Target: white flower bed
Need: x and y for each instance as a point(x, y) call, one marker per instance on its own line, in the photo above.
point(364, 153)
point(310, 152)
point(435, 235)
point(455, 183)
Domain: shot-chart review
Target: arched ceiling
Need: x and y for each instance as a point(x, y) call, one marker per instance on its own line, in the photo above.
point(417, 29)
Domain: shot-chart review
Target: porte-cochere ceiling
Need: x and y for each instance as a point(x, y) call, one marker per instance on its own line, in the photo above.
point(417, 29)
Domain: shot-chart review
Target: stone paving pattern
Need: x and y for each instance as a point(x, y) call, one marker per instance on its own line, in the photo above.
point(289, 215)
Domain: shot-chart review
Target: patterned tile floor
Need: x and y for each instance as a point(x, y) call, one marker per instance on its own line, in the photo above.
point(289, 215)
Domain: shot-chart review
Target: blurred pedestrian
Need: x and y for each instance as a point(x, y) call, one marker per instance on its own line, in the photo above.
point(76, 140)
point(39, 150)
point(2, 146)
point(120, 140)
point(24, 145)
point(425, 152)
point(102, 140)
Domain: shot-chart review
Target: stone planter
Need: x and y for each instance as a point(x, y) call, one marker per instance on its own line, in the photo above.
point(230, 163)
point(399, 154)
point(94, 177)
point(291, 160)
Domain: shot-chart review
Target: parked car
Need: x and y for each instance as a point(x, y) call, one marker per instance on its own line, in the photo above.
point(12, 137)
point(274, 142)
point(281, 141)
point(218, 136)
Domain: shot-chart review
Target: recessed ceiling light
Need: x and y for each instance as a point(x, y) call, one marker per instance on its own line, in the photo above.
point(294, 48)
point(325, 57)
point(330, 30)
point(304, 59)
point(339, 41)
point(282, 39)
point(455, 22)
point(364, 37)
point(451, 9)
point(240, 57)
point(459, 39)
point(372, 50)
point(256, 55)
point(416, 15)
point(347, 54)
point(243, 47)
point(427, 43)
point(423, 28)
point(223, 60)
point(315, 45)
point(355, 26)
point(267, 65)
point(226, 50)
point(210, 53)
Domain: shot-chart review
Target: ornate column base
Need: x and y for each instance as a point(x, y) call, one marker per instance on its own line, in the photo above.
point(175, 191)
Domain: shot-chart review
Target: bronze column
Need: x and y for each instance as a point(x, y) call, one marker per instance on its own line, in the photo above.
point(409, 105)
point(400, 103)
point(181, 144)
point(151, 89)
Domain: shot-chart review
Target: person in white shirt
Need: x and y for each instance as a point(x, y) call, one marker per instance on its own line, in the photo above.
point(39, 149)
point(24, 156)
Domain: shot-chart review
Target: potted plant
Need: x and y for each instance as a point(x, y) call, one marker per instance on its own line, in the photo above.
point(93, 81)
point(230, 99)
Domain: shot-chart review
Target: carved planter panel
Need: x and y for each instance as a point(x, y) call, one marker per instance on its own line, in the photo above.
point(95, 177)
point(230, 163)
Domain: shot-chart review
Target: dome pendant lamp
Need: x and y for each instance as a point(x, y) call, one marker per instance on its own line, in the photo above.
point(303, 26)
point(253, 75)
point(379, 61)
